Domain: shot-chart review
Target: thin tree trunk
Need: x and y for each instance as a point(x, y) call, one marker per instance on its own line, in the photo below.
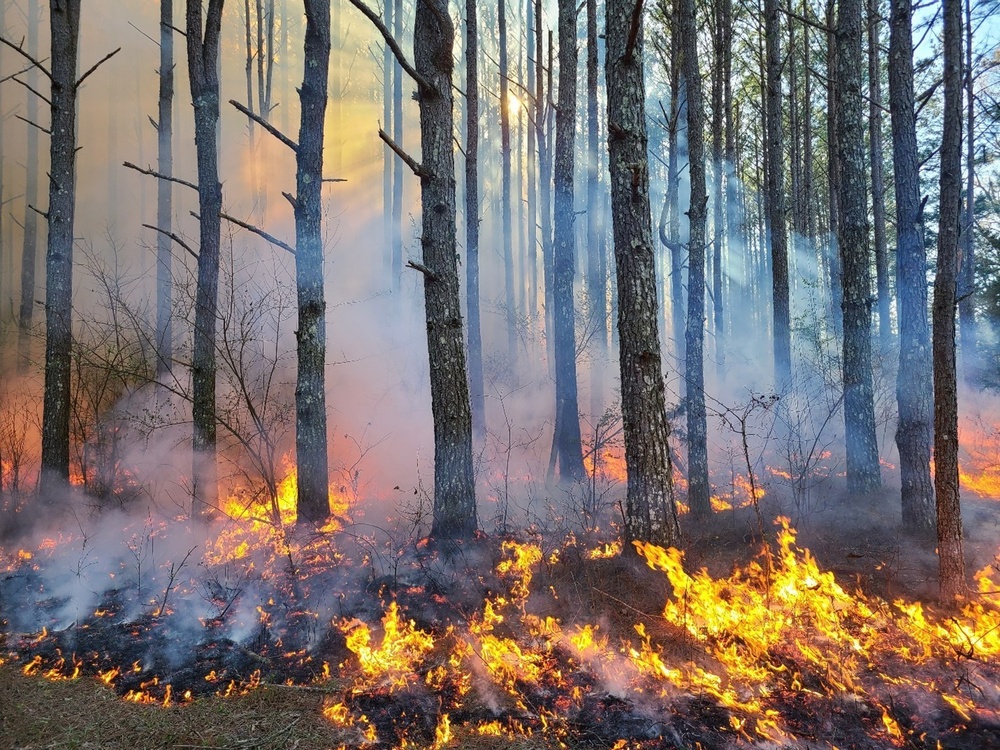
point(29, 248)
point(650, 514)
point(312, 478)
point(566, 440)
point(164, 193)
point(878, 180)
point(863, 474)
point(914, 385)
point(833, 176)
point(678, 114)
point(951, 558)
point(698, 486)
point(534, 65)
point(64, 20)
point(775, 199)
point(398, 167)
point(510, 310)
point(472, 219)
point(967, 262)
point(596, 272)
point(388, 158)
point(718, 71)
point(203, 73)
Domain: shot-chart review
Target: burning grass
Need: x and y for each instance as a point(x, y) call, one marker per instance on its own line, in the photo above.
point(253, 635)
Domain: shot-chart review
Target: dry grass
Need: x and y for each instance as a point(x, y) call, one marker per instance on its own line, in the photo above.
point(36, 713)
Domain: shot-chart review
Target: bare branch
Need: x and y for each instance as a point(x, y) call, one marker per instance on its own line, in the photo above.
point(159, 175)
point(266, 125)
point(409, 160)
point(633, 32)
point(95, 66)
point(334, 179)
point(37, 93)
point(24, 53)
point(291, 199)
point(807, 21)
point(175, 238)
point(428, 273)
point(258, 231)
point(43, 214)
point(34, 124)
point(391, 42)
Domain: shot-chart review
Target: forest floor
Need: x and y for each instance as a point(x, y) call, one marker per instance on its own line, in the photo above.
point(861, 544)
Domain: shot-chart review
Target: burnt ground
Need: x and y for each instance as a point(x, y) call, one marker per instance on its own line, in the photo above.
point(860, 542)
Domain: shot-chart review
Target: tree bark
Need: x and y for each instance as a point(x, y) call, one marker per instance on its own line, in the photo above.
point(476, 386)
point(878, 179)
point(833, 259)
point(312, 478)
point(718, 71)
point(775, 198)
point(967, 260)
point(454, 487)
point(64, 20)
point(398, 166)
point(914, 394)
point(29, 247)
point(388, 158)
point(203, 73)
point(510, 309)
point(596, 263)
point(951, 559)
point(650, 513)
point(534, 65)
point(863, 474)
point(698, 486)
point(566, 440)
point(164, 193)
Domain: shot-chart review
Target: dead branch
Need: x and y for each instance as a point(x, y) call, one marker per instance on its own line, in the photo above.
point(95, 66)
point(266, 125)
point(37, 93)
point(159, 175)
point(428, 273)
point(391, 42)
point(409, 160)
point(34, 124)
point(175, 238)
point(633, 32)
point(19, 48)
point(259, 232)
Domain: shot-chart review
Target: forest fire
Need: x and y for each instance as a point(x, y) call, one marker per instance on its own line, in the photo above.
point(777, 651)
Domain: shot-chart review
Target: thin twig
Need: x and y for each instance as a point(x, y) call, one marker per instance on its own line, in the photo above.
point(34, 124)
point(428, 273)
point(43, 214)
point(37, 93)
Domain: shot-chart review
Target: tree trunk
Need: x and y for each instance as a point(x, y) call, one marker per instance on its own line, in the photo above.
point(914, 394)
point(878, 180)
point(203, 74)
point(596, 270)
point(29, 248)
point(534, 66)
point(775, 199)
point(949, 511)
point(510, 310)
point(312, 478)
point(967, 261)
point(678, 113)
point(454, 487)
point(833, 176)
point(863, 473)
point(64, 20)
point(698, 487)
point(388, 157)
point(472, 219)
point(650, 513)
point(566, 440)
point(398, 166)
point(164, 193)
point(718, 71)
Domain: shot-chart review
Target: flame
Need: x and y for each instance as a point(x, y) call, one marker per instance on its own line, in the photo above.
point(394, 661)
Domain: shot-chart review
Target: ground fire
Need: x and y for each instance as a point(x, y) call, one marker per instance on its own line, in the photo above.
point(574, 641)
